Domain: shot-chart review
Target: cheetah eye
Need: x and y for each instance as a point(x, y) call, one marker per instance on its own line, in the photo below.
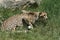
point(44, 15)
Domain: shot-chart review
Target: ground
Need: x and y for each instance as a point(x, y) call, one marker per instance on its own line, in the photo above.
point(51, 31)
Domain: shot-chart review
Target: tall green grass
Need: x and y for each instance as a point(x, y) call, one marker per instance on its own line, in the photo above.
point(51, 31)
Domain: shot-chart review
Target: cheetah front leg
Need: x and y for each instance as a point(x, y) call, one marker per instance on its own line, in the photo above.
point(30, 26)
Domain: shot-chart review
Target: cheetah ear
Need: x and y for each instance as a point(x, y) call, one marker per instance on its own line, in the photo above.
point(40, 13)
point(24, 11)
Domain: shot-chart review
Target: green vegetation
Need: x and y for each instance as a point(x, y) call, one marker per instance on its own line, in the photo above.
point(49, 32)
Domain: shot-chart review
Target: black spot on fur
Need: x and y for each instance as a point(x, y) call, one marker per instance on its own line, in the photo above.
point(30, 13)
